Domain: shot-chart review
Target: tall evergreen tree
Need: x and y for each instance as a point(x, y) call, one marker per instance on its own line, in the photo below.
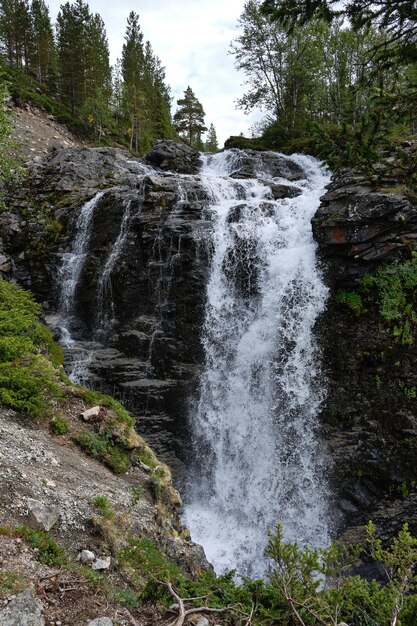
point(16, 32)
point(211, 144)
point(43, 59)
point(132, 68)
point(189, 119)
point(83, 55)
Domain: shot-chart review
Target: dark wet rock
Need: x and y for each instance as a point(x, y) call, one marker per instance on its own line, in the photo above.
point(175, 157)
point(249, 164)
point(151, 356)
point(368, 419)
point(358, 227)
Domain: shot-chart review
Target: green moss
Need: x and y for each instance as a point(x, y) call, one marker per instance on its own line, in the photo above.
point(351, 299)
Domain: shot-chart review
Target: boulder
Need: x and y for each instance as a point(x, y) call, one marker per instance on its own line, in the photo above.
point(175, 157)
point(23, 610)
point(44, 515)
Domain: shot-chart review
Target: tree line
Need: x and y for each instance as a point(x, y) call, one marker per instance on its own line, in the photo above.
point(71, 61)
point(335, 78)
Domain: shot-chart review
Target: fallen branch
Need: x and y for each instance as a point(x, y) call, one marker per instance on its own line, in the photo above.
point(183, 612)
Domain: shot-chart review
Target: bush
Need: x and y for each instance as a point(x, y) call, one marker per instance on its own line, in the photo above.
point(102, 448)
point(28, 380)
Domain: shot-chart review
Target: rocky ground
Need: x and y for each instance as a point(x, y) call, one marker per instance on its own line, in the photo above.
point(36, 132)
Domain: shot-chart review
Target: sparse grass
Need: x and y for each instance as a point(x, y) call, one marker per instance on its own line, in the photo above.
point(102, 503)
point(146, 560)
point(11, 583)
point(47, 550)
point(60, 425)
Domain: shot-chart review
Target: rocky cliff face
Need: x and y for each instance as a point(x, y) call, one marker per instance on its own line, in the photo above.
point(141, 322)
point(369, 415)
point(138, 305)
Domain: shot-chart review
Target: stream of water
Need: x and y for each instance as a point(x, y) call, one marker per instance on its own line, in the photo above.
point(258, 458)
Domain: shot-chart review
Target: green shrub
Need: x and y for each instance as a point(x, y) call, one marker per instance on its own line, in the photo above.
point(103, 449)
point(60, 425)
point(102, 503)
point(47, 550)
point(28, 354)
point(393, 290)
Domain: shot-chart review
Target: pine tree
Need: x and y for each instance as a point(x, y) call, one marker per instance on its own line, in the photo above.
point(132, 67)
point(43, 58)
point(211, 144)
point(83, 56)
point(16, 32)
point(189, 119)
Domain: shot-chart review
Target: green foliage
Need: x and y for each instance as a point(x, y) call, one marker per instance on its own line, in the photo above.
point(28, 380)
point(298, 576)
point(60, 425)
point(47, 550)
point(8, 163)
point(351, 299)
point(211, 144)
point(102, 503)
point(103, 448)
point(189, 119)
point(147, 560)
point(136, 494)
point(393, 288)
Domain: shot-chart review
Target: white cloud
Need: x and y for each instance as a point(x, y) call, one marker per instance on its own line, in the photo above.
point(192, 39)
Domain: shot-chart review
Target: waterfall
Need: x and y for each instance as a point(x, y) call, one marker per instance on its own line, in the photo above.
point(258, 460)
point(73, 261)
point(68, 277)
point(105, 303)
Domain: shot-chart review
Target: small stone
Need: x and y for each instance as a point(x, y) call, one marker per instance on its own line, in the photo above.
point(49, 483)
point(45, 515)
point(86, 556)
point(101, 564)
point(101, 621)
point(92, 413)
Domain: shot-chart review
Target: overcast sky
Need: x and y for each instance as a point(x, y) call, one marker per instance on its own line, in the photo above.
point(192, 39)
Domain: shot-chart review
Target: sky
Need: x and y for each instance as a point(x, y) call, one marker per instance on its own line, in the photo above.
point(192, 39)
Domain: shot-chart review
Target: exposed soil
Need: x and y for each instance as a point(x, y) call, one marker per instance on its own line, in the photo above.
point(37, 132)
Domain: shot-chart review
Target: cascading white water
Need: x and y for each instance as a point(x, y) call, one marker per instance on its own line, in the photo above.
point(258, 458)
point(105, 303)
point(68, 277)
point(73, 261)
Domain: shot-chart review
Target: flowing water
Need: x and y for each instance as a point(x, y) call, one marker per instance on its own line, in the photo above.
point(257, 456)
point(258, 460)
